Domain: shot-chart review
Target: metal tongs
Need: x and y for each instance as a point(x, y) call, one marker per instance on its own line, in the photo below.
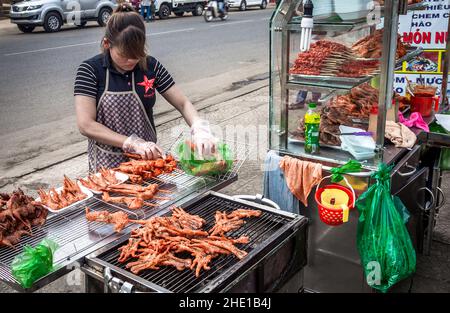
point(306, 26)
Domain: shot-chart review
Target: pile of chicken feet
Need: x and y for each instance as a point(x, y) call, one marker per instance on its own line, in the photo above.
point(140, 170)
point(18, 214)
point(70, 193)
point(161, 240)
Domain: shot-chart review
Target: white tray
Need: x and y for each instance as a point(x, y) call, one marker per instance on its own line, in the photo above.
point(84, 190)
point(121, 177)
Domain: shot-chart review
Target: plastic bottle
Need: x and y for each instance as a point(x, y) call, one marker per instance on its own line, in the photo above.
point(312, 126)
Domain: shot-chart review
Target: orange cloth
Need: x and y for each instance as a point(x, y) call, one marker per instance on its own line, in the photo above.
point(301, 176)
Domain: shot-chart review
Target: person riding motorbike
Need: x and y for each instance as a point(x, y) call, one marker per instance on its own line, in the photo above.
point(221, 6)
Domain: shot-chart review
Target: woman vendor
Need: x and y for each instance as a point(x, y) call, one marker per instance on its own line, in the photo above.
point(115, 92)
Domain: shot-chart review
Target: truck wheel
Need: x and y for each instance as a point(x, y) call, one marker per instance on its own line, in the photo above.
point(263, 4)
point(198, 10)
point(26, 28)
point(243, 6)
point(164, 11)
point(179, 13)
point(103, 16)
point(52, 22)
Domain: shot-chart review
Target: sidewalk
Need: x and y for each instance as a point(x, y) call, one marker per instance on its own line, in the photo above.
point(433, 272)
point(5, 25)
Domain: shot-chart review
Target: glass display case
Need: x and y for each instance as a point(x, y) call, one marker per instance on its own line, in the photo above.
point(348, 72)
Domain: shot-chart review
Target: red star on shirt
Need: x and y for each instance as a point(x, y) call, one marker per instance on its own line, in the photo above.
point(148, 84)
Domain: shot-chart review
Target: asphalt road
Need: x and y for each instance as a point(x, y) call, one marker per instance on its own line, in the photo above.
point(38, 69)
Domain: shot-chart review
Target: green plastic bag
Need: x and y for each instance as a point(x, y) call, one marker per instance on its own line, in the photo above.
point(384, 245)
point(191, 163)
point(351, 166)
point(34, 263)
point(444, 163)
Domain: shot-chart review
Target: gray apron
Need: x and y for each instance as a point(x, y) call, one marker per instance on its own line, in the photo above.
point(124, 113)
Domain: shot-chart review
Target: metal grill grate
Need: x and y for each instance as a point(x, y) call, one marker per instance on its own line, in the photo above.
point(70, 230)
point(178, 184)
point(74, 234)
point(258, 229)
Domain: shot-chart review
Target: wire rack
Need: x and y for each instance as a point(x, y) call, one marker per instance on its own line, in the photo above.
point(70, 230)
point(74, 234)
point(239, 151)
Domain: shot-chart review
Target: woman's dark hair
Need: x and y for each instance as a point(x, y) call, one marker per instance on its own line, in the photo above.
point(125, 31)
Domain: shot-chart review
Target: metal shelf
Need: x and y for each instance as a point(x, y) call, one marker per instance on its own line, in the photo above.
point(335, 24)
point(326, 82)
point(341, 84)
point(327, 156)
point(332, 24)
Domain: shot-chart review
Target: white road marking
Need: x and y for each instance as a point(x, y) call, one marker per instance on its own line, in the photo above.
point(231, 23)
point(52, 48)
point(265, 19)
point(92, 43)
point(172, 31)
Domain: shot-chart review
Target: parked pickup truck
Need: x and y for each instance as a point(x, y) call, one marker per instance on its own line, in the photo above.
point(52, 14)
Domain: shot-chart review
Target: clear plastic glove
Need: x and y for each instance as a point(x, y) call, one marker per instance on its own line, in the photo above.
point(203, 139)
point(147, 149)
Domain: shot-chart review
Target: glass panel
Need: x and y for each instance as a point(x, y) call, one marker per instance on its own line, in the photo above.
point(341, 72)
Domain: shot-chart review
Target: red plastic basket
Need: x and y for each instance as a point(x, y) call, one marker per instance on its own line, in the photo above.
point(334, 216)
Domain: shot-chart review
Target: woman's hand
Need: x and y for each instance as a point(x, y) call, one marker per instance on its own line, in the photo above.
point(201, 135)
point(147, 149)
point(203, 139)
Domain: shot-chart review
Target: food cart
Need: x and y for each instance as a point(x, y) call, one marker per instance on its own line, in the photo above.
point(333, 260)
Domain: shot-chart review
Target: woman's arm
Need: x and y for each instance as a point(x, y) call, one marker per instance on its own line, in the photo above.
point(201, 135)
point(86, 111)
point(175, 97)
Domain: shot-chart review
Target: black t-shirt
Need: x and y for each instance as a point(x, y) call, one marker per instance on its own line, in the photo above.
point(91, 80)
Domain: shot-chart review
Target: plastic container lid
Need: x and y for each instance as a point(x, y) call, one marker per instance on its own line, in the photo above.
point(312, 105)
point(359, 144)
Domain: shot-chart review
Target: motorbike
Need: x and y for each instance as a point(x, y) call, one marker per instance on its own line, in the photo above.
point(212, 11)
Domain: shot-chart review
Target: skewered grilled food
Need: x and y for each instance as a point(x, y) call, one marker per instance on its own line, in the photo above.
point(18, 213)
point(332, 59)
point(313, 61)
point(70, 193)
point(371, 46)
